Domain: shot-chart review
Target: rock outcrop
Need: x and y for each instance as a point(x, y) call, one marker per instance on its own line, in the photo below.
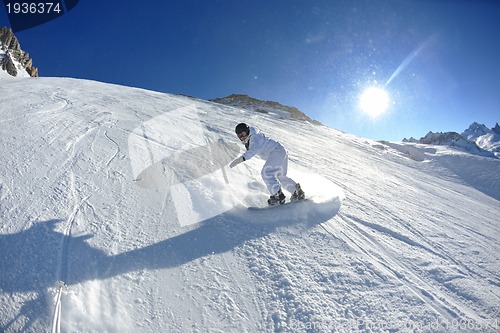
point(12, 58)
point(267, 107)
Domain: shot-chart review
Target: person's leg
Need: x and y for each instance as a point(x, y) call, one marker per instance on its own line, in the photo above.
point(272, 170)
point(286, 182)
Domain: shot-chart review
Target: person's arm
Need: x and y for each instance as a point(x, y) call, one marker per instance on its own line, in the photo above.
point(255, 144)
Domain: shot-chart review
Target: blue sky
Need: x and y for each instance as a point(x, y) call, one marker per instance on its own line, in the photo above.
point(437, 59)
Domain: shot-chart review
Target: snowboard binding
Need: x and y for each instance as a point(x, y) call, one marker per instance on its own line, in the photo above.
point(277, 198)
point(298, 194)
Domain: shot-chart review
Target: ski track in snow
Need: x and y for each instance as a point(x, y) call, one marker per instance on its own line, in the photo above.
point(388, 243)
point(390, 266)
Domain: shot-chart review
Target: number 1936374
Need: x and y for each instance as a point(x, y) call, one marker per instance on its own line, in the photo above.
point(34, 8)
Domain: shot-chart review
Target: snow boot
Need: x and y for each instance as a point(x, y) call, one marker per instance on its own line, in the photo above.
point(298, 194)
point(279, 197)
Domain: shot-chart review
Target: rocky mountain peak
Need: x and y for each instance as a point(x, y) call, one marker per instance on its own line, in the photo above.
point(13, 59)
point(496, 129)
point(475, 130)
point(267, 107)
point(440, 138)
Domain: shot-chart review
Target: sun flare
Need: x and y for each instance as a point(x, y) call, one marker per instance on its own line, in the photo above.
point(374, 101)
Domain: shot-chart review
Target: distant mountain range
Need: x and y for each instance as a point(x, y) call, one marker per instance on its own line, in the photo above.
point(477, 139)
point(14, 62)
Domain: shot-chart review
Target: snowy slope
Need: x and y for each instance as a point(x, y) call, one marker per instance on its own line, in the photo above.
point(112, 190)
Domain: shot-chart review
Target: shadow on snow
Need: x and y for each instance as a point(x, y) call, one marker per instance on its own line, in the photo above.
point(35, 259)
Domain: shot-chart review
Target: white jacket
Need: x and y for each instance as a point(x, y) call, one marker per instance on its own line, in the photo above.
point(259, 144)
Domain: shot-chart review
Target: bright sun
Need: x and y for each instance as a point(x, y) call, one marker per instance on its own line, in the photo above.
point(374, 101)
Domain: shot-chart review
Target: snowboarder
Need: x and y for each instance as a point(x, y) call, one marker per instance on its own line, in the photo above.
point(275, 169)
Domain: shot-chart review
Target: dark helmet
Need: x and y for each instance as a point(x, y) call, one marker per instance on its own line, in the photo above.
point(242, 128)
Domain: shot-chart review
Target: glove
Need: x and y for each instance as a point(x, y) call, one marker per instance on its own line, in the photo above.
point(237, 161)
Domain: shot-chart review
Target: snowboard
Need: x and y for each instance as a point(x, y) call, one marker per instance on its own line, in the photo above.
point(278, 205)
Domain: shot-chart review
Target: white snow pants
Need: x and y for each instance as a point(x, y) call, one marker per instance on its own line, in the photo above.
point(274, 172)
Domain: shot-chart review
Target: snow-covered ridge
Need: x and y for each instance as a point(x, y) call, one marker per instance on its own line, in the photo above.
point(485, 138)
point(387, 244)
point(14, 62)
point(475, 131)
point(268, 107)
